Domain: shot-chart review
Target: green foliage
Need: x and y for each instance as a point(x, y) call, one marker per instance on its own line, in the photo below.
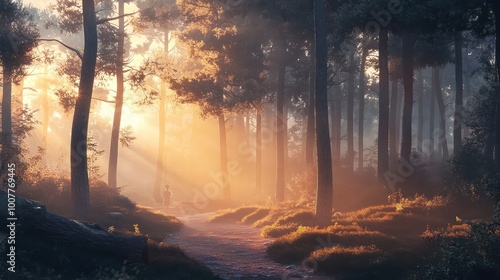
point(472, 171)
point(303, 186)
point(473, 255)
point(18, 34)
point(23, 123)
point(126, 136)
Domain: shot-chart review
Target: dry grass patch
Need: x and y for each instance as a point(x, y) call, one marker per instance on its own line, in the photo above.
point(296, 246)
point(232, 215)
point(256, 215)
point(301, 217)
point(275, 231)
point(341, 260)
point(270, 219)
point(363, 262)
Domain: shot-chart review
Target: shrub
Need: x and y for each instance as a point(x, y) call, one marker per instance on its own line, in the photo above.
point(105, 199)
point(303, 185)
point(468, 252)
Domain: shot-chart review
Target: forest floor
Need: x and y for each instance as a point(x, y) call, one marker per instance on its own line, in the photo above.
point(233, 251)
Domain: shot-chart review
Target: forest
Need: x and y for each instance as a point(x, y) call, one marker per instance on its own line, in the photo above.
point(233, 139)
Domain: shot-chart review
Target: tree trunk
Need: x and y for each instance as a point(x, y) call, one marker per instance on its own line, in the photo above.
point(361, 112)
point(160, 169)
point(406, 131)
point(442, 117)
point(324, 198)
point(496, 12)
point(337, 113)
point(383, 111)
point(37, 222)
point(393, 124)
point(6, 115)
point(280, 134)
point(457, 122)
point(350, 115)
point(45, 106)
point(420, 108)
point(310, 115)
point(226, 187)
point(258, 152)
point(79, 172)
point(432, 117)
point(331, 121)
point(467, 86)
point(117, 117)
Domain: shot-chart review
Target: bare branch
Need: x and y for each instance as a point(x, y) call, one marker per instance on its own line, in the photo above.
point(104, 100)
point(104, 20)
point(78, 53)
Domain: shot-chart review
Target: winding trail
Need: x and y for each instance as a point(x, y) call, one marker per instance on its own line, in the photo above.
point(232, 251)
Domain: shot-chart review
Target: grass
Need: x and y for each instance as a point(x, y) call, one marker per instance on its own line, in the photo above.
point(275, 231)
point(39, 259)
point(377, 242)
point(232, 215)
point(296, 246)
point(256, 215)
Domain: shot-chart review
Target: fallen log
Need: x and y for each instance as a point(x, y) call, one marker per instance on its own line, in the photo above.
point(33, 219)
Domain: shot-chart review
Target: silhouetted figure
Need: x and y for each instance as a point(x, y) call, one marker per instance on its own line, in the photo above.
point(166, 196)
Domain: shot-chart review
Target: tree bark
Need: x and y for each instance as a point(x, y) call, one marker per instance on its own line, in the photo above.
point(467, 86)
point(496, 130)
point(258, 152)
point(457, 122)
point(79, 171)
point(432, 118)
point(280, 133)
point(420, 108)
point(310, 115)
point(442, 117)
point(383, 124)
point(45, 106)
point(393, 124)
point(324, 192)
point(36, 221)
point(6, 115)
point(337, 114)
point(350, 115)
point(117, 117)
point(226, 187)
point(361, 112)
point(161, 132)
point(408, 63)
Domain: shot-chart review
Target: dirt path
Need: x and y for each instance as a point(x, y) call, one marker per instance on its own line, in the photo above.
point(232, 251)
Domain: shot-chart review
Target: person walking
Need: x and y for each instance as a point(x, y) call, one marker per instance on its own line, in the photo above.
point(167, 197)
